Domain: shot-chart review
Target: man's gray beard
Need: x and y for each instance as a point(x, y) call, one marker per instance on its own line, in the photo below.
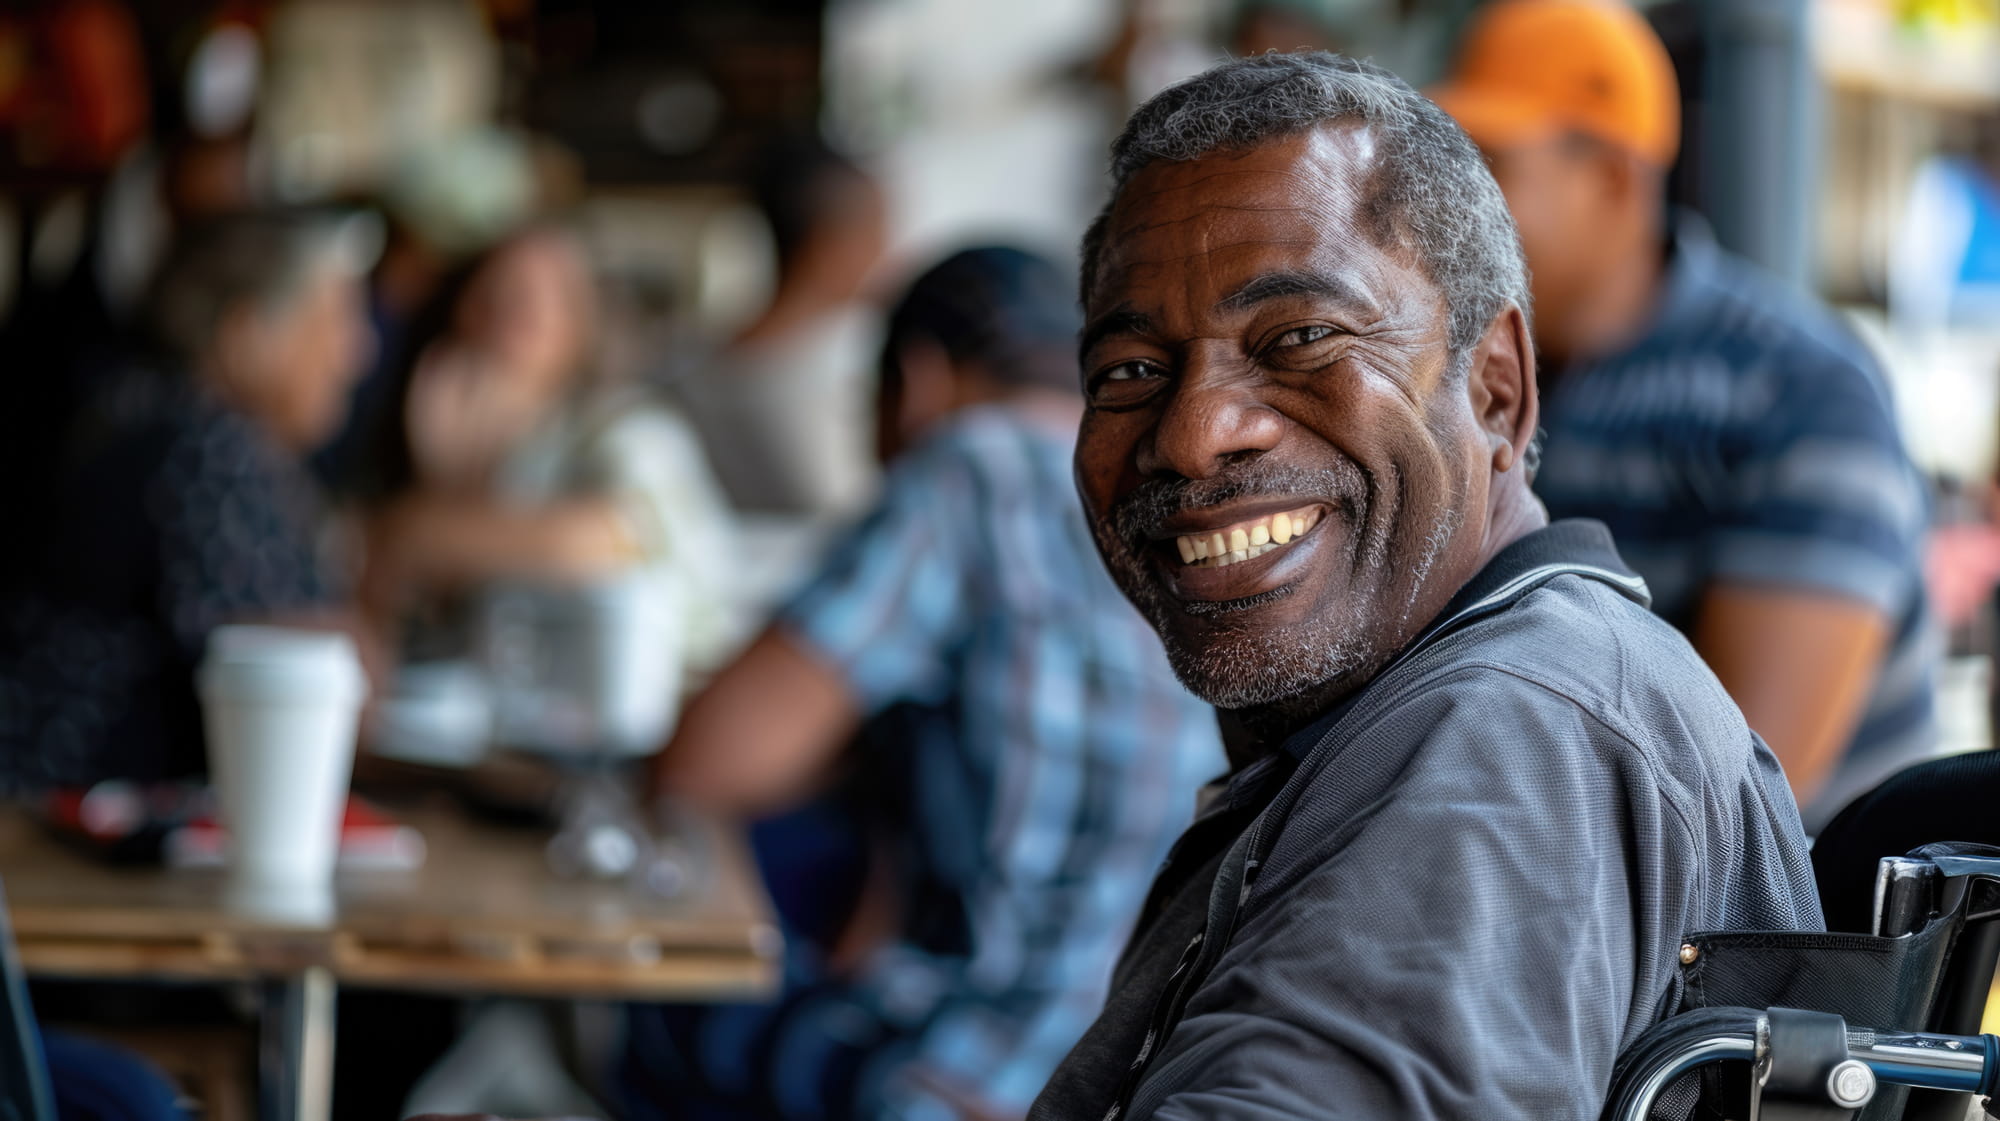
point(1246, 666)
point(1251, 670)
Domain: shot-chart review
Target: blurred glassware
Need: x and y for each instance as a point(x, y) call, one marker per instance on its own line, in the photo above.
point(605, 836)
point(438, 714)
point(584, 671)
point(601, 835)
point(589, 678)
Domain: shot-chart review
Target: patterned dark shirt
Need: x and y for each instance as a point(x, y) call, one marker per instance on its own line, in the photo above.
point(1747, 437)
point(171, 514)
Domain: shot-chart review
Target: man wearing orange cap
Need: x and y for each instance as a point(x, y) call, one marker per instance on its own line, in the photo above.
point(1737, 440)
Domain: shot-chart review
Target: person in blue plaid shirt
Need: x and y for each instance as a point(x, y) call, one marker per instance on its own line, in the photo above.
point(967, 869)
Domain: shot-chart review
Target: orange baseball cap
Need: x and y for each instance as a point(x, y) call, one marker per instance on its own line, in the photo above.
point(1529, 68)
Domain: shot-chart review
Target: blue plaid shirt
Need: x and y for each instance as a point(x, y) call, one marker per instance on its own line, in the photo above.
point(1073, 760)
point(1747, 437)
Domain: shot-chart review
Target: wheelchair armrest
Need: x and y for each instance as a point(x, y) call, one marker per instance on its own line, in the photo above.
point(1968, 864)
point(1860, 1059)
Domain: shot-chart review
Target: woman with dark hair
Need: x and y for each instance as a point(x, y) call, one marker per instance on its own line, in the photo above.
point(529, 464)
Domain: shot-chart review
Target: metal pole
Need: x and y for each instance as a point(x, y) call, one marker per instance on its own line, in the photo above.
point(1761, 155)
point(295, 1051)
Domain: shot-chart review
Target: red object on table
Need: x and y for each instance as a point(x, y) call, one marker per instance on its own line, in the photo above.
point(369, 839)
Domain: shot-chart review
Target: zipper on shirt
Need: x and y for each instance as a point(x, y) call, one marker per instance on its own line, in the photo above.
point(1165, 1011)
point(1186, 974)
point(1417, 658)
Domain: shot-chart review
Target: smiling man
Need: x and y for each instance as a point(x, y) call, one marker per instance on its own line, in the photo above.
point(1479, 794)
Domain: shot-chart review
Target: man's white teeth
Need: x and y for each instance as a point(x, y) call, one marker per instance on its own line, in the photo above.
point(1223, 547)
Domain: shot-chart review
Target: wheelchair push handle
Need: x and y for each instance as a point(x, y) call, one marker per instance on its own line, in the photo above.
point(1968, 1064)
point(1805, 1057)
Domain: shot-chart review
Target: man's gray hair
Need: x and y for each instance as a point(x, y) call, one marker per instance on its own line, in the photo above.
point(1430, 191)
point(258, 260)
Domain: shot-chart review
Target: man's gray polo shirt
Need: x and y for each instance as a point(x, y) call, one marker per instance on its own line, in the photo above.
point(1462, 893)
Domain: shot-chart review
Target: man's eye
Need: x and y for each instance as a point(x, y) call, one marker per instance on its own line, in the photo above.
point(1300, 336)
point(1126, 382)
point(1130, 371)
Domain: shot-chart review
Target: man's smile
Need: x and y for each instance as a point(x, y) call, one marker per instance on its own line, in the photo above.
point(1242, 540)
point(1257, 367)
point(1228, 552)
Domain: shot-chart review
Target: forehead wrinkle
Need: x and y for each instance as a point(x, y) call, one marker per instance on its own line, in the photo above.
point(1282, 283)
point(1324, 208)
point(1326, 277)
point(1314, 230)
point(1334, 163)
point(1321, 176)
point(1317, 183)
point(1192, 174)
point(1230, 164)
point(1210, 251)
point(1130, 248)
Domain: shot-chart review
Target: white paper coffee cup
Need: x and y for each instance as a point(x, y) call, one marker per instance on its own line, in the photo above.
point(280, 706)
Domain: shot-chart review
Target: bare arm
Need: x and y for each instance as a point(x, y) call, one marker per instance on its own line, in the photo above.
point(1799, 664)
point(763, 733)
point(432, 541)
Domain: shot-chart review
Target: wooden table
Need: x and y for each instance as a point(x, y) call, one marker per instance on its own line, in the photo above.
point(483, 915)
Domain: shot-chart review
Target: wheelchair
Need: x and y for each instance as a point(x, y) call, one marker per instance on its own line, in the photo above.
point(1877, 1018)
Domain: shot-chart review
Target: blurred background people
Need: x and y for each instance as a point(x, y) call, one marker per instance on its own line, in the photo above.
point(1944, 268)
point(959, 880)
point(737, 183)
point(1739, 442)
point(790, 389)
point(179, 503)
point(1407, 36)
point(530, 462)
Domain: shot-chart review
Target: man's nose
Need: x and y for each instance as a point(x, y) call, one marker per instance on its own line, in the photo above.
point(1214, 418)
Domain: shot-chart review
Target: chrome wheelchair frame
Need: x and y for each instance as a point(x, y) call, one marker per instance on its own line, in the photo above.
point(1961, 1064)
point(1811, 1064)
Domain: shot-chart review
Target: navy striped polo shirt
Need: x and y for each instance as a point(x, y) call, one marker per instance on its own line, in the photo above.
point(1747, 437)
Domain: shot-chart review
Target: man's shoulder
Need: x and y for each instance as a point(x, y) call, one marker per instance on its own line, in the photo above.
point(1577, 658)
point(991, 430)
point(162, 427)
point(1760, 323)
point(1732, 344)
point(1576, 715)
point(989, 449)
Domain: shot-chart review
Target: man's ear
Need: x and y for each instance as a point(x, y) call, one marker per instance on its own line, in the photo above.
point(929, 389)
point(240, 340)
point(1500, 382)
